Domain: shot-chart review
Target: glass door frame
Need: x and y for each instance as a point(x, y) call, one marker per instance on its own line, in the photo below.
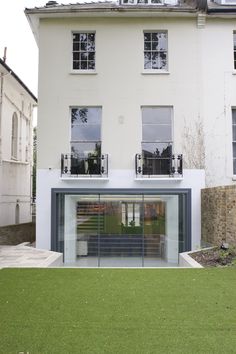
point(58, 194)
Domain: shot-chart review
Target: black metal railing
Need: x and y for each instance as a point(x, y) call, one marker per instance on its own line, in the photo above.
point(73, 165)
point(171, 166)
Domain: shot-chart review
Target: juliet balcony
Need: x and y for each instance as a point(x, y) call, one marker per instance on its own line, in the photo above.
point(159, 166)
point(76, 166)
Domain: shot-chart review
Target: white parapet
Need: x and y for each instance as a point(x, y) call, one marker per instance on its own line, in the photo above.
point(186, 261)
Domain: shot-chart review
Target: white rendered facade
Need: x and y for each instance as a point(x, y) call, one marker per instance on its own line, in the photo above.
point(16, 118)
point(198, 84)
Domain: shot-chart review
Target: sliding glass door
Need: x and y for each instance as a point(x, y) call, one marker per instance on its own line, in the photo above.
point(121, 230)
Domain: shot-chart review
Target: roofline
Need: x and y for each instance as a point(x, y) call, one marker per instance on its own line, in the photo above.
point(34, 15)
point(18, 79)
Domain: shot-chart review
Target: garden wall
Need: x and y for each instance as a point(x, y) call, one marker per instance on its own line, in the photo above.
point(15, 234)
point(218, 207)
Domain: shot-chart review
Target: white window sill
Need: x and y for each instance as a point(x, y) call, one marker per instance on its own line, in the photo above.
point(161, 179)
point(83, 72)
point(83, 178)
point(155, 72)
point(234, 72)
point(234, 178)
point(17, 162)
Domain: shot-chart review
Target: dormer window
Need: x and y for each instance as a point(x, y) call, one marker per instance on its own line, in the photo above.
point(150, 2)
point(140, 2)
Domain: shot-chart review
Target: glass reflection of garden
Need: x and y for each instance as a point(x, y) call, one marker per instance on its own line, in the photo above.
point(125, 229)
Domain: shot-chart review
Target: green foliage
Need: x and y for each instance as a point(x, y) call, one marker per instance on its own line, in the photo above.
point(118, 311)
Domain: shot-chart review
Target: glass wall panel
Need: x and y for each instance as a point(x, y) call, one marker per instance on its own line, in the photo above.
point(121, 237)
point(108, 230)
point(82, 222)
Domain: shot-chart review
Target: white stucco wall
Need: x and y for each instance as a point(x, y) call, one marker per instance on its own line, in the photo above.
point(47, 179)
point(199, 85)
point(15, 174)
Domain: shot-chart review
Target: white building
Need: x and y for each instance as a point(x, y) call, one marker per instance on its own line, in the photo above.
point(16, 114)
point(128, 93)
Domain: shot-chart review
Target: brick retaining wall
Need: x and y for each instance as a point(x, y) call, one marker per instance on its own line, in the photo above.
point(219, 215)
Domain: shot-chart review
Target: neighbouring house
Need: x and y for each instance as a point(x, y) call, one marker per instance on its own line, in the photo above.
point(136, 113)
point(16, 118)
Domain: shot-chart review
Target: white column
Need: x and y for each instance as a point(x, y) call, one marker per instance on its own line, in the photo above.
point(70, 229)
point(172, 229)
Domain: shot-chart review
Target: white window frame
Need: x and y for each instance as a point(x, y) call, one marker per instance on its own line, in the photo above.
point(151, 70)
point(85, 141)
point(82, 71)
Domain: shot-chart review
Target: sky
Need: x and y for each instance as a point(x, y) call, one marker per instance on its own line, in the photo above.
point(16, 35)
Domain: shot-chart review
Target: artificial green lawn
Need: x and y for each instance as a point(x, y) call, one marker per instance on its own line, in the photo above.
point(118, 311)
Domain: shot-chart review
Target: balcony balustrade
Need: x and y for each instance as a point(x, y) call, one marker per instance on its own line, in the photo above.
point(74, 165)
point(159, 166)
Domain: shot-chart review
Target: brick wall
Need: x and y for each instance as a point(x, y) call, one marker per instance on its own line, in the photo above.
point(219, 215)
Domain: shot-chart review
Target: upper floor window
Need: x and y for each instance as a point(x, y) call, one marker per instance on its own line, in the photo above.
point(84, 51)
point(234, 35)
point(156, 140)
point(155, 50)
point(234, 139)
point(86, 139)
point(14, 136)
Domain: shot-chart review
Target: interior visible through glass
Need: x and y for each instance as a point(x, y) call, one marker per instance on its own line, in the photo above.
point(122, 230)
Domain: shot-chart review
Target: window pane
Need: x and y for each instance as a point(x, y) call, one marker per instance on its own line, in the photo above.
point(90, 115)
point(158, 115)
point(147, 60)
point(147, 36)
point(84, 65)
point(159, 61)
point(91, 37)
point(86, 149)
point(76, 56)
point(156, 133)
point(234, 162)
point(89, 132)
point(83, 37)
point(234, 41)
point(147, 45)
point(234, 132)
point(76, 65)
point(162, 42)
point(156, 149)
point(91, 65)
point(234, 116)
point(91, 47)
point(91, 56)
point(83, 46)
point(84, 56)
point(76, 46)
point(76, 37)
point(234, 150)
